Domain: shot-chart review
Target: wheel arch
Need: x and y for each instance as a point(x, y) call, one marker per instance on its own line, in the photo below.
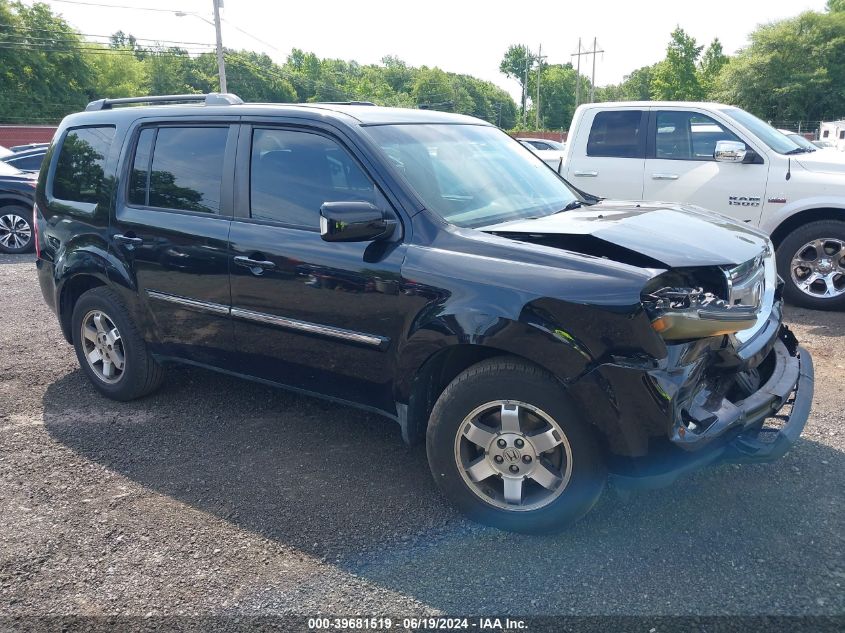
point(9, 199)
point(803, 217)
point(69, 293)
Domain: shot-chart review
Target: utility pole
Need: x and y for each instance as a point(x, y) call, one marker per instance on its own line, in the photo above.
point(578, 75)
point(540, 59)
point(578, 71)
point(221, 64)
point(525, 89)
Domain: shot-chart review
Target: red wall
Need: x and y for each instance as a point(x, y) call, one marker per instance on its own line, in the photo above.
point(551, 136)
point(22, 134)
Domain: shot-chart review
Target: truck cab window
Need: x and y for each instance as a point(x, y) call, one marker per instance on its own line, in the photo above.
point(616, 134)
point(688, 136)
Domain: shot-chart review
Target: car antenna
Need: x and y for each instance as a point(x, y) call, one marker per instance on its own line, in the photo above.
point(788, 167)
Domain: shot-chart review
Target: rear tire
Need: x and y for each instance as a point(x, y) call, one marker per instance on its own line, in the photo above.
point(814, 251)
point(16, 234)
point(533, 464)
point(110, 350)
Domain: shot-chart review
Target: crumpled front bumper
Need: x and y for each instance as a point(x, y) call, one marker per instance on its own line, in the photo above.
point(739, 433)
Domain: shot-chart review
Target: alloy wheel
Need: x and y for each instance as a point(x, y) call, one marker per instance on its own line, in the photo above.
point(513, 455)
point(818, 268)
point(15, 232)
point(103, 346)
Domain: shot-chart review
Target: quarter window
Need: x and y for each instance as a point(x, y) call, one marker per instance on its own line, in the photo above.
point(293, 173)
point(80, 169)
point(688, 136)
point(616, 134)
point(179, 168)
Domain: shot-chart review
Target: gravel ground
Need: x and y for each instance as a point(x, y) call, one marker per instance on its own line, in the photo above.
point(217, 496)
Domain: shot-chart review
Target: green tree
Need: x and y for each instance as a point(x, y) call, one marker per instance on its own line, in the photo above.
point(836, 6)
point(117, 74)
point(432, 88)
point(675, 78)
point(792, 70)
point(514, 63)
point(711, 64)
point(44, 74)
point(558, 84)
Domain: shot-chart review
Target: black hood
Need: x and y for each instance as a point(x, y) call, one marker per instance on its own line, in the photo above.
point(669, 235)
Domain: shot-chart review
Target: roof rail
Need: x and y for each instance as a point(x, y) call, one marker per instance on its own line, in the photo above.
point(212, 98)
point(365, 103)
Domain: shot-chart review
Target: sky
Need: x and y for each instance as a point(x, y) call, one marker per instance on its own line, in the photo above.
point(463, 37)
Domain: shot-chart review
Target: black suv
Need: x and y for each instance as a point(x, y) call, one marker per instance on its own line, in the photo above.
point(428, 267)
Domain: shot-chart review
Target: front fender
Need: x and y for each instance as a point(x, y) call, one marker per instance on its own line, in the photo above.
point(776, 217)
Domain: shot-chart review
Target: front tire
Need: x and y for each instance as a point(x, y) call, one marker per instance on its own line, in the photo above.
point(16, 235)
point(110, 349)
point(507, 447)
point(811, 261)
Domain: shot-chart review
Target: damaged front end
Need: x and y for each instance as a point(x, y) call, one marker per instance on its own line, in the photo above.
point(731, 369)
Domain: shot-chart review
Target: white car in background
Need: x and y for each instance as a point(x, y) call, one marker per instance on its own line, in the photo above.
point(801, 140)
point(550, 151)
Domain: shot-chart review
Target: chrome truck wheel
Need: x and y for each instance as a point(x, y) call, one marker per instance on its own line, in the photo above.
point(811, 262)
point(818, 268)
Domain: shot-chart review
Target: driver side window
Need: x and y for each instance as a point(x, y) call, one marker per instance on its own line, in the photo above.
point(688, 136)
point(293, 173)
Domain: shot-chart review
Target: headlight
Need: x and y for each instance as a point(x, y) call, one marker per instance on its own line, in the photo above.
point(690, 313)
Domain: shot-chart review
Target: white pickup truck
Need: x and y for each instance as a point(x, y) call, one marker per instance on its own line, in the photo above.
point(724, 159)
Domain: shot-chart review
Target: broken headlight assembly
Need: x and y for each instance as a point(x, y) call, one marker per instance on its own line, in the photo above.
point(681, 309)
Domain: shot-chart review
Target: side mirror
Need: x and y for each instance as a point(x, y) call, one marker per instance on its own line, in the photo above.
point(730, 152)
point(354, 222)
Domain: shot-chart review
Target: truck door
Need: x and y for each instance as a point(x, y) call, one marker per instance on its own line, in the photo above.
point(608, 157)
point(680, 167)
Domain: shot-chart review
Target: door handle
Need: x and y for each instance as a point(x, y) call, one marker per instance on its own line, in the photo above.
point(585, 173)
point(664, 176)
point(128, 240)
point(255, 265)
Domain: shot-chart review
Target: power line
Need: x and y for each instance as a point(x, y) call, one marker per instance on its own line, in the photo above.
point(117, 6)
point(74, 33)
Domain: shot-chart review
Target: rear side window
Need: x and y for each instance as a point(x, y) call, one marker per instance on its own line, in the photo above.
point(293, 173)
point(179, 168)
point(617, 134)
point(80, 173)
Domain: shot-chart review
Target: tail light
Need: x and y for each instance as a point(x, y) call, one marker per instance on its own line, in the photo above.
point(35, 231)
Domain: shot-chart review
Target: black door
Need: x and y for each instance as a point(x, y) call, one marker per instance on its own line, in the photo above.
point(171, 227)
point(318, 316)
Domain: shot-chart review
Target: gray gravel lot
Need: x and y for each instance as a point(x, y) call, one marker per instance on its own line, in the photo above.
point(220, 496)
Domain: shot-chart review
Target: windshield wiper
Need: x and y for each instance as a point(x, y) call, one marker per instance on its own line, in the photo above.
point(575, 204)
point(800, 150)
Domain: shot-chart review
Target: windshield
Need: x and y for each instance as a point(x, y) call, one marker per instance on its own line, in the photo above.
point(762, 130)
point(472, 175)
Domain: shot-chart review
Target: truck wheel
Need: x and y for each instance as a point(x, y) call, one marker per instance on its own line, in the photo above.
point(811, 261)
point(16, 229)
point(507, 447)
point(109, 348)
